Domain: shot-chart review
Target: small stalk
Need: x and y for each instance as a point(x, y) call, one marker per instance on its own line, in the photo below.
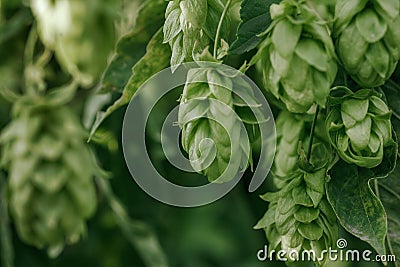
point(314, 123)
point(7, 249)
point(218, 33)
point(2, 18)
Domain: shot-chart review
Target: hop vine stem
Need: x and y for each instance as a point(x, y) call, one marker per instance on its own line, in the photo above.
point(218, 33)
point(314, 123)
point(139, 234)
point(7, 250)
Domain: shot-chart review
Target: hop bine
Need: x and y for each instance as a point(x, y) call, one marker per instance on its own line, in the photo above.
point(359, 127)
point(191, 25)
point(51, 168)
point(297, 57)
point(367, 37)
point(214, 120)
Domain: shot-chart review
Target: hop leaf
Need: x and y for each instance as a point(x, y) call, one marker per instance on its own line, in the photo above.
point(368, 39)
point(297, 57)
point(359, 126)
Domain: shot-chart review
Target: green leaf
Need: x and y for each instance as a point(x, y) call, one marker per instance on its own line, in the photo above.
point(15, 25)
point(358, 209)
point(156, 59)
point(389, 192)
point(132, 46)
point(255, 19)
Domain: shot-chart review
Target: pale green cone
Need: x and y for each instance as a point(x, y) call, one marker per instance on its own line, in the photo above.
point(213, 131)
point(51, 169)
point(191, 26)
point(81, 34)
point(299, 216)
point(297, 69)
point(359, 126)
point(289, 131)
point(367, 37)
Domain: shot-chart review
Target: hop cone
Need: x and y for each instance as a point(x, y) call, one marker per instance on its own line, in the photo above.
point(368, 39)
point(289, 131)
point(74, 29)
point(191, 25)
point(50, 173)
point(297, 57)
point(359, 126)
point(213, 134)
point(299, 216)
point(292, 137)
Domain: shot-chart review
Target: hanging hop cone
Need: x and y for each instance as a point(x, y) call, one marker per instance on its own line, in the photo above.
point(51, 168)
point(367, 37)
point(326, 9)
point(359, 126)
point(299, 217)
point(191, 25)
point(74, 30)
point(289, 131)
point(214, 119)
point(293, 137)
point(297, 57)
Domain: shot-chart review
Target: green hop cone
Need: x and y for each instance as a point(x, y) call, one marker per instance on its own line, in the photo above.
point(367, 37)
point(191, 25)
point(359, 127)
point(75, 29)
point(292, 139)
point(51, 168)
point(297, 57)
point(213, 132)
point(289, 131)
point(299, 216)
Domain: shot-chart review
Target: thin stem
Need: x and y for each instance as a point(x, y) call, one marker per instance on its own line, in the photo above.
point(45, 58)
point(314, 123)
point(221, 20)
point(139, 234)
point(7, 251)
point(2, 18)
point(30, 46)
point(376, 186)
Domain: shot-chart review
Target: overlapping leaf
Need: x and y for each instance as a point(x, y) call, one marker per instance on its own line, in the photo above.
point(132, 46)
point(255, 19)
